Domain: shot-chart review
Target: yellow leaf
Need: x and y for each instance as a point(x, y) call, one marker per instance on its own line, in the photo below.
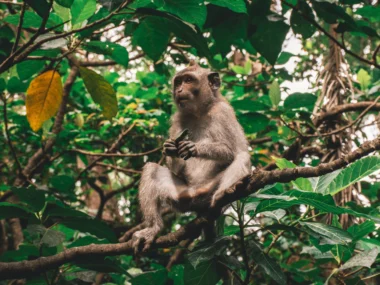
point(43, 97)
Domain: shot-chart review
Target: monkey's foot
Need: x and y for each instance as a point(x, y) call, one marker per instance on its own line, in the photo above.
point(220, 193)
point(146, 236)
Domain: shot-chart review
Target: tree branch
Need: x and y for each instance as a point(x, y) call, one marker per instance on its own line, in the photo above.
point(323, 116)
point(332, 38)
point(252, 183)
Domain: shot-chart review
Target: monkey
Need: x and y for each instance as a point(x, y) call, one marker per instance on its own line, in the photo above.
point(210, 159)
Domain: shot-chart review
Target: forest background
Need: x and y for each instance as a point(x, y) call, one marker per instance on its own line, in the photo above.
point(86, 102)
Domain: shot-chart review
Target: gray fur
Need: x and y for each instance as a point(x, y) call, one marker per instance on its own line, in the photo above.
point(217, 148)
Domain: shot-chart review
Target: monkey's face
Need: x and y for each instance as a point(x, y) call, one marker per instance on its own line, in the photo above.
point(186, 89)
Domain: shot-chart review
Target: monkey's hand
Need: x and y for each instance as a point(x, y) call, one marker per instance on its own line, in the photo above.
point(170, 148)
point(146, 236)
point(187, 149)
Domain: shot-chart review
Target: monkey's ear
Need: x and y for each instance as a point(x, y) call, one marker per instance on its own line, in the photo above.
point(214, 80)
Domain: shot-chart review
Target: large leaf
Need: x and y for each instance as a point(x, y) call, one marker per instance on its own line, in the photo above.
point(300, 100)
point(351, 174)
point(192, 11)
point(205, 274)
point(298, 22)
point(237, 6)
point(359, 231)
point(101, 91)
point(183, 30)
point(92, 226)
point(152, 35)
point(324, 203)
point(40, 6)
point(249, 105)
point(27, 68)
point(33, 198)
point(43, 98)
point(207, 252)
point(48, 236)
point(363, 259)
point(253, 122)
point(269, 266)
point(327, 234)
point(9, 210)
point(157, 277)
point(115, 51)
point(81, 10)
point(300, 183)
point(268, 38)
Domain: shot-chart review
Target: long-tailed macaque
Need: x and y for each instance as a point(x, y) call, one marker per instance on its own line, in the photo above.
point(213, 158)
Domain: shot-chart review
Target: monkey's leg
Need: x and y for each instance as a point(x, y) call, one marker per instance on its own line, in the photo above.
point(158, 185)
point(231, 177)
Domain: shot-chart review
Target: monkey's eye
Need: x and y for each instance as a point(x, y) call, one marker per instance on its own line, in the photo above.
point(177, 82)
point(188, 79)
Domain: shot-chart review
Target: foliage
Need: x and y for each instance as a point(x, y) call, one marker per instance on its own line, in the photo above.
point(86, 102)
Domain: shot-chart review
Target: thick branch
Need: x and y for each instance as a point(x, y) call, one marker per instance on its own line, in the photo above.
point(346, 108)
point(252, 183)
point(33, 267)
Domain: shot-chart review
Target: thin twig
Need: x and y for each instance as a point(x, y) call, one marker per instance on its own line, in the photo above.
point(19, 28)
point(9, 141)
point(106, 154)
point(332, 38)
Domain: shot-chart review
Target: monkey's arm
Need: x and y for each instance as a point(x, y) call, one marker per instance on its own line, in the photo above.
point(206, 149)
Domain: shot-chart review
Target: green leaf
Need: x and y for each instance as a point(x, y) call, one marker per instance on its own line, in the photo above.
point(63, 183)
point(31, 20)
point(327, 234)
point(268, 38)
point(300, 100)
point(9, 210)
point(231, 230)
point(372, 13)
point(364, 79)
point(351, 174)
point(176, 274)
point(207, 252)
point(205, 274)
point(115, 51)
point(33, 198)
point(298, 22)
point(275, 93)
point(284, 57)
point(182, 30)
point(249, 105)
point(101, 91)
point(253, 122)
point(53, 210)
point(237, 6)
point(363, 259)
point(269, 266)
point(319, 184)
point(86, 241)
point(40, 6)
point(152, 35)
point(359, 231)
point(92, 226)
point(192, 11)
point(300, 183)
point(65, 3)
point(158, 277)
point(81, 10)
point(27, 68)
point(49, 237)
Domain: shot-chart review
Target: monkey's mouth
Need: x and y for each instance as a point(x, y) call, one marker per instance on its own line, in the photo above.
point(182, 100)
